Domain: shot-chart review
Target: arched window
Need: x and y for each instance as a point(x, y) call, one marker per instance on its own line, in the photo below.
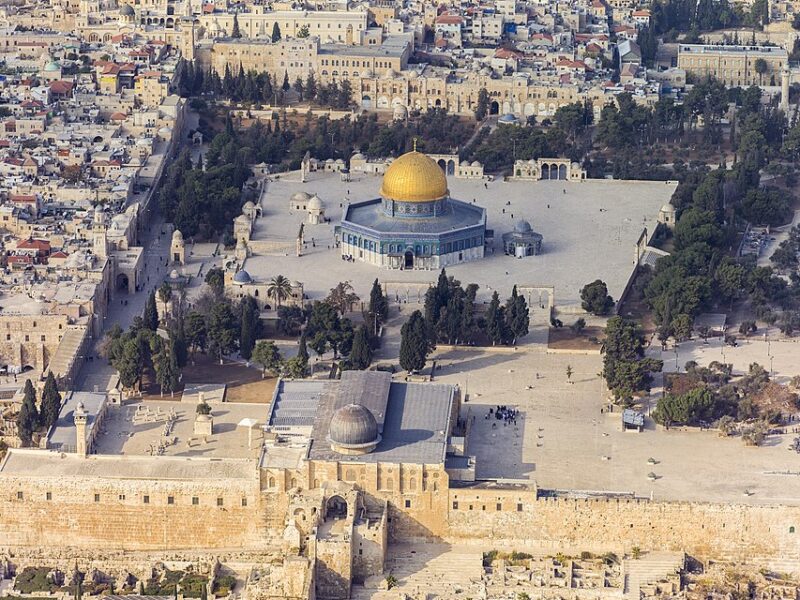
point(389, 483)
point(349, 475)
point(791, 529)
point(271, 482)
point(293, 483)
point(412, 484)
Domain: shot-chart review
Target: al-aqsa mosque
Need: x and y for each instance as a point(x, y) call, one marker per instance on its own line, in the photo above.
point(415, 224)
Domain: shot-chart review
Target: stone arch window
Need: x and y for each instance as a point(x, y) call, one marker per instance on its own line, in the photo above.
point(350, 475)
point(389, 483)
point(791, 529)
point(271, 482)
point(293, 482)
point(412, 484)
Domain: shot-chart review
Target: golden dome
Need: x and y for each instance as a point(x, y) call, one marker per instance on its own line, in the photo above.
point(414, 178)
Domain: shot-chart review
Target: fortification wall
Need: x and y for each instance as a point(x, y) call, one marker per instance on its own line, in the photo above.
point(732, 531)
point(130, 514)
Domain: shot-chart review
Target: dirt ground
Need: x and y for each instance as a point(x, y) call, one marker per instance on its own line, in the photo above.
point(563, 338)
point(244, 384)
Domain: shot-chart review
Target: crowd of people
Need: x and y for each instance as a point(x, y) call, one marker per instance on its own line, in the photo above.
point(503, 413)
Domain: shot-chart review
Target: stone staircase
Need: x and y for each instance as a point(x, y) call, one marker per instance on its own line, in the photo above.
point(428, 571)
point(649, 568)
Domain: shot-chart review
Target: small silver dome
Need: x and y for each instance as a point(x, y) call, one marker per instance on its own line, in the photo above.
point(242, 277)
point(353, 429)
point(523, 227)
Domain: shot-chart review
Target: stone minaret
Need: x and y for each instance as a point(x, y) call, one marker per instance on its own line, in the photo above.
point(99, 235)
point(80, 430)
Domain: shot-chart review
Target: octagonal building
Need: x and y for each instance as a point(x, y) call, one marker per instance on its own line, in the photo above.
point(414, 224)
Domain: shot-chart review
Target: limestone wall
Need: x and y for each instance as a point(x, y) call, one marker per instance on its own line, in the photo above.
point(733, 531)
point(129, 514)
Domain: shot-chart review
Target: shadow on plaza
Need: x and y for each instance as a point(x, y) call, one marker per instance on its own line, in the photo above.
point(461, 364)
point(498, 445)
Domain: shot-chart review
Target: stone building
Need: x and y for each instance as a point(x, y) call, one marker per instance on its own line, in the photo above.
point(414, 224)
point(239, 284)
point(177, 250)
point(522, 241)
point(734, 65)
point(549, 168)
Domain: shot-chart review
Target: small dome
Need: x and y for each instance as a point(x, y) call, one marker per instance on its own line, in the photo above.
point(174, 274)
point(353, 428)
point(294, 283)
point(475, 163)
point(315, 203)
point(357, 156)
point(248, 205)
point(368, 73)
point(242, 277)
point(127, 11)
point(177, 236)
point(523, 227)
point(390, 73)
point(339, 161)
point(507, 118)
point(400, 112)
point(668, 208)
point(52, 66)
point(300, 196)
point(413, 74)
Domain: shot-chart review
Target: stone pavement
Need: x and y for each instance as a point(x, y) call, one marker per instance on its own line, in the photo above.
point(563, 441)
point(581, 222)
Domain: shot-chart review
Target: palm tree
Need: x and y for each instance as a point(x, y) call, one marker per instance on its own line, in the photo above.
point(165, 295)
point(279, 288)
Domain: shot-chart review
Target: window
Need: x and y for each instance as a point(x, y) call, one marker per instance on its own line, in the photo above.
point(97, 497)
point(146, 499)
point(122, 496)
point(455, 505)
point(244, 501)
point(408, 503)
point(519, 507)
point(20, 496)
point(791, 529)
point(27, 338)
point(219, 502)
point(48, 496)
point(195, 500)
point(170, 499)
point(499, 506)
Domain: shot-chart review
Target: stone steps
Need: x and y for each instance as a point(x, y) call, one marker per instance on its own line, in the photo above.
point(650, 568)
point(438, 570)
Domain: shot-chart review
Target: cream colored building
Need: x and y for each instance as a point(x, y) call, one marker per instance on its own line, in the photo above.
point(330, 26)
point(733, 65)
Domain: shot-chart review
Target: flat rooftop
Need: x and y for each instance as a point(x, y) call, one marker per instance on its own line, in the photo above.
point(579, 221)
point(55, 465)
point(143, 428)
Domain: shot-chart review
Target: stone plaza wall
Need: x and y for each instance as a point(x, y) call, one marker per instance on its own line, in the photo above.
point(600, 524)
point(130, 514)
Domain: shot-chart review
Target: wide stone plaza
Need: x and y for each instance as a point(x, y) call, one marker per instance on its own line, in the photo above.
point(563, 441)
point(580, 222)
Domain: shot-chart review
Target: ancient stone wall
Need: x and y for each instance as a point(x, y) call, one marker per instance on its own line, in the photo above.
point(130, 514)
point(733, 531)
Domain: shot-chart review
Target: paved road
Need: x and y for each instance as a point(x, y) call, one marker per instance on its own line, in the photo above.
point(97, 374)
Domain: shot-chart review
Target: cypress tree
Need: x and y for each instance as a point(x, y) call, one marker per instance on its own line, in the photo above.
point(28, 416)
point(361, 353)
point(51, 402)
point(302, 351)
point(414, 345)
point(286, 86)
point(378, 307)
point(235, 33)
point(151, 312)
point(495, 321)
point(249, 330)
point(276, 32)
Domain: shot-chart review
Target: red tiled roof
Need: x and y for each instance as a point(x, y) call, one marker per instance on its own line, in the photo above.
point(40, 245)
point(22, 198)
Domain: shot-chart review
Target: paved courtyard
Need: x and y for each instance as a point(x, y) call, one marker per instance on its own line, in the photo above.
point(580, 223)
point(563, 441)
